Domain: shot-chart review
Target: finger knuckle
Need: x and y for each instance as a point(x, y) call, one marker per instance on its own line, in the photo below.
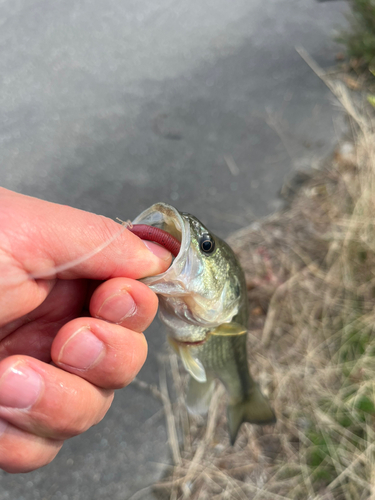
point(73, 424)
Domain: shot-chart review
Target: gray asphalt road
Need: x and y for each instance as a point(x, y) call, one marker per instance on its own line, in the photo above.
point(111, 105)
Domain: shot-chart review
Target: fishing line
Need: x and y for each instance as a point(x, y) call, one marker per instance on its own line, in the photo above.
point(143, 231)
point(68, 265)
point(83, 258)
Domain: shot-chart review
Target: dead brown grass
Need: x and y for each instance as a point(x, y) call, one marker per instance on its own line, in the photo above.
point(311, 280)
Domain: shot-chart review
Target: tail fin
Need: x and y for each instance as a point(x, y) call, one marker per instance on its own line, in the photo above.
point(255, 409)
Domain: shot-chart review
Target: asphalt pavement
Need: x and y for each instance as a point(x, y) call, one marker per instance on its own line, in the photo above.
point(111, 106)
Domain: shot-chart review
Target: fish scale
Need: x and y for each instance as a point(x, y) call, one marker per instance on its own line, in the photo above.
point(225, 358)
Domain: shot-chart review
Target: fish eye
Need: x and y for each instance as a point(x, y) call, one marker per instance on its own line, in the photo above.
point(207, 243)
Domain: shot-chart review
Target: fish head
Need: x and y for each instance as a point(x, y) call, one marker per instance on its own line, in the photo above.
point(203, 288)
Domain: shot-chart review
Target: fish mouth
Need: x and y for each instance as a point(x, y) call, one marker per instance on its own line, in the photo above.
point(169, 219)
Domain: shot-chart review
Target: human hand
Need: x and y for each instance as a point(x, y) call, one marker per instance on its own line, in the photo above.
point(46, 320)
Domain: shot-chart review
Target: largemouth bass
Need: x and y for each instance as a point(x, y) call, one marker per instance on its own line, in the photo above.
point(204, 305)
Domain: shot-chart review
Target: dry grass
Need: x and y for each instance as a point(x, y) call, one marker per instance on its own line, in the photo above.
point(311, 278)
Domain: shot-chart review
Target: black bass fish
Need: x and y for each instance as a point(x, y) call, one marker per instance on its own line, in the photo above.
point(203, 303)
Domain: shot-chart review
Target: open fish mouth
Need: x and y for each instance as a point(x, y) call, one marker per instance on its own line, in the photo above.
point(174, 281)
point(164, 217)
point(162, 224)
point(169, 219)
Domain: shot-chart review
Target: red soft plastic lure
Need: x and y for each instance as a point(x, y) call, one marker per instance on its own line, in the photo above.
point(157, 235)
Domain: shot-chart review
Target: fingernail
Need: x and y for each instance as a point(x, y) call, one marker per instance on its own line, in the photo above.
point(81, 350)
point(158, 250)
point(118, 307)
point(20, 387)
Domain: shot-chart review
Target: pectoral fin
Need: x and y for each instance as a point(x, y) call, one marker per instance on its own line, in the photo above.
point(255, 409)
point(229, 330)
point(199, 396)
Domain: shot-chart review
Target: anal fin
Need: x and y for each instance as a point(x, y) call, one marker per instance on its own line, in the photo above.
point(199, 396)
